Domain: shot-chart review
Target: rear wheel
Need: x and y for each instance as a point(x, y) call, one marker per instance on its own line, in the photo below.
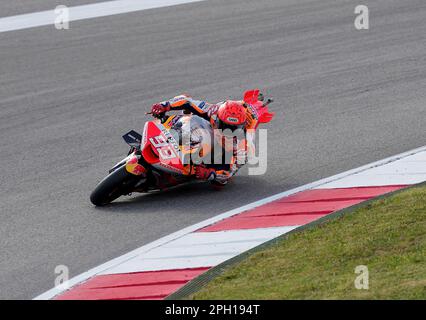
point(116, 184)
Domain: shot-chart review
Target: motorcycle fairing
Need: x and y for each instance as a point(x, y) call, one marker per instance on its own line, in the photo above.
point(133, 166)
point(161, 150)
point(121, 163)
point(131, 163)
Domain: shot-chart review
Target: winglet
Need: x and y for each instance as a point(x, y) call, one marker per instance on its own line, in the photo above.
point(251, 96)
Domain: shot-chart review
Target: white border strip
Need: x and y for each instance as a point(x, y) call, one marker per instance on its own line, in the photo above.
point(112, 263)
point(83, 12)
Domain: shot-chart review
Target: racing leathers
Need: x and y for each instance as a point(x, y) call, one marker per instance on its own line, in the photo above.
point(219, 172)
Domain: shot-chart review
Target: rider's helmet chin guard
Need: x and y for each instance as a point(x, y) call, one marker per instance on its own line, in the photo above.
point(231, 116)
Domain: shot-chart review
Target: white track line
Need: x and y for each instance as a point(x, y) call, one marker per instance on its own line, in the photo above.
point(89, 11)
point(181, 233)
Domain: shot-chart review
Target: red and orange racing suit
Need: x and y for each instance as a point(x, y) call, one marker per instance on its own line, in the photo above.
point(241, 150)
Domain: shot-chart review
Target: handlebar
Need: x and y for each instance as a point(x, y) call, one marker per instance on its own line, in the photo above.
point(269, 101)
point(163, 117)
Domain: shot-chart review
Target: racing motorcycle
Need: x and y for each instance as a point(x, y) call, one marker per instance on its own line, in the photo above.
point(155, 160)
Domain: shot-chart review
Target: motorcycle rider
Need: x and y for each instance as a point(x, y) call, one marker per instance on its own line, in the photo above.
point(224, 117)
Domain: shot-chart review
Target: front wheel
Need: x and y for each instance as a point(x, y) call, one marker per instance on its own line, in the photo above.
point(116, 184)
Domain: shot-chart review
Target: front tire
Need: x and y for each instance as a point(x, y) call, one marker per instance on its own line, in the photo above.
point(116, 184)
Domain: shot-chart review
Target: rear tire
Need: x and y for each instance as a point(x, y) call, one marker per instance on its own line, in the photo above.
point(116, 184)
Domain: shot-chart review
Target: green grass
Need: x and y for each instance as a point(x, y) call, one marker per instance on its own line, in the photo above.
point(387, 235)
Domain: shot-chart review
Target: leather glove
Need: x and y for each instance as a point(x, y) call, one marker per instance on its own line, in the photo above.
point(158, 109)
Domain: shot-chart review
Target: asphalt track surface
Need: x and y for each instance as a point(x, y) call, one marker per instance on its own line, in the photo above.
point(344, 98)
